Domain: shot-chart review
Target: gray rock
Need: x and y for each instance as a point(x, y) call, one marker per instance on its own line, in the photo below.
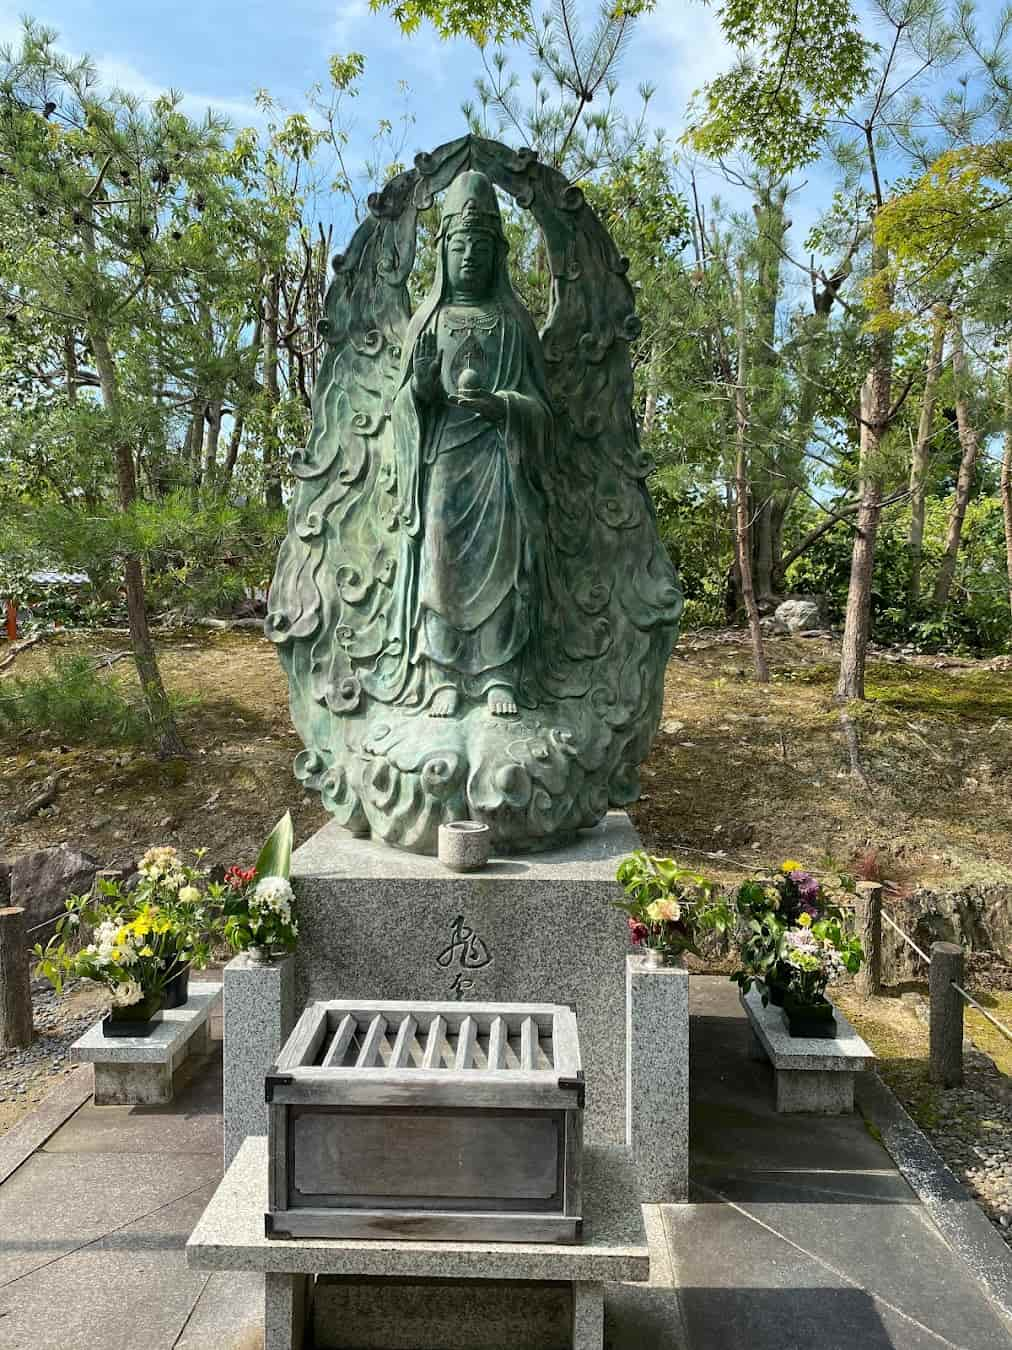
point(42, 880)
point(798, 616)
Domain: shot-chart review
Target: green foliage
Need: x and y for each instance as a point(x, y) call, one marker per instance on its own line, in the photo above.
point(275, 858)
point(480, 20)
point(669, 907)
point(76, 703)
point(797, 66)
point(979, 620)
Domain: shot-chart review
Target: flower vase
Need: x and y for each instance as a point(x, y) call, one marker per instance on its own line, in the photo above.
point(137, 1019)
point(809, 1021)
point(177, 989)
point(259, 956)
point(655, 958)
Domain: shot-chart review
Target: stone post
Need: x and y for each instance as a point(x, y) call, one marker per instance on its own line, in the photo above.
point(258, 1013)
point(16, 1024)
point(869, 930)
point(657, 1079)
point(946, 1014)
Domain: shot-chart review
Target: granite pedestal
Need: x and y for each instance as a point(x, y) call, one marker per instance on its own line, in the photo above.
point(139, 1070)
point(657, 1079)
point(565, 1282)
point(378, 923)
point(257, 1018)
point(811, 1075)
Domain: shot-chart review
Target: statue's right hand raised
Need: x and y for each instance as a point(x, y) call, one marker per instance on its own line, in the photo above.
point(426, 368)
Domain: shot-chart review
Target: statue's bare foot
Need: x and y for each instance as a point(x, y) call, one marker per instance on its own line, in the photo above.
point(502, 701)
point(444, 703)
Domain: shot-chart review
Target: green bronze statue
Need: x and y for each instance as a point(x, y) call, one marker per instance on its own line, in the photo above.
point(472, 604)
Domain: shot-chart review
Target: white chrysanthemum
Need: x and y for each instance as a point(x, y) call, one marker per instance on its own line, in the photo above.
point(128, 993)
point(188, 895)
point(276, 894)
point(158, 862)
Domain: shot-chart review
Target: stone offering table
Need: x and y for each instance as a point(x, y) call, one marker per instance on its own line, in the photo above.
point(138, 1070)
point(375, 921)
point(812, 1075)
point(442, 1294)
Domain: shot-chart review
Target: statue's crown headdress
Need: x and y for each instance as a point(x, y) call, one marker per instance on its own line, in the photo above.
point(470, 204)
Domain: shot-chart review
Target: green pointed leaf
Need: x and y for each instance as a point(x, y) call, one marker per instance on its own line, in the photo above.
point(275, 858)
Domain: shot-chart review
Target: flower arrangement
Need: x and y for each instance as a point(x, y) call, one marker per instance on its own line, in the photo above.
point(144, 939)
point(146, 936)
point(795, 940)
point(668, 907)
point(259, 904)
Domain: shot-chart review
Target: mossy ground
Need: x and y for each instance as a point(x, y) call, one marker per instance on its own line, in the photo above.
point(754, 774)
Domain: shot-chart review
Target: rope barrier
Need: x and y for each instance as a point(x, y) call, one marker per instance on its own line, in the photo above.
point(959, 990)
point(908, 940)
point(984, 1012)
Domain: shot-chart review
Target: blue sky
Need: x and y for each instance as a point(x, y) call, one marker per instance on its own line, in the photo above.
point(219, 52)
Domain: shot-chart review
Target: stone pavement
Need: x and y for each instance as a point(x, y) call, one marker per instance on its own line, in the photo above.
point(801, 1234)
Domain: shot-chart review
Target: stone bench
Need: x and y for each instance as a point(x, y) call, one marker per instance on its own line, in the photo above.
point(811, 1075)
point(334, 1293)
point(138, 1070)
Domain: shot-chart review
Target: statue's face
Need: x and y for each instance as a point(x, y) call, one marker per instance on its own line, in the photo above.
point(470, 261)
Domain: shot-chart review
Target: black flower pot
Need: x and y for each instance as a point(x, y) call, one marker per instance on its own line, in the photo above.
point(776, 992)
point(177, 990)
point(809, 1021)
point(140, 1019)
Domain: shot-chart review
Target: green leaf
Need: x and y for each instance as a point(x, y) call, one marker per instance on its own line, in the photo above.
point(275, 858)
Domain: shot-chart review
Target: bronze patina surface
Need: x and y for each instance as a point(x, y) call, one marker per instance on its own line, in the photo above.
point(472, 604)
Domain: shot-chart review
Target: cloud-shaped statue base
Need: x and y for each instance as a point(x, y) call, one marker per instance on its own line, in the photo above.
point(534, 779)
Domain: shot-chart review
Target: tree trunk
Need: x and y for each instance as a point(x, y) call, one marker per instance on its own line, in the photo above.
point(742, 493)
point(156, 700)
point(763, 530)
point(921, 457)
point(1006, 474)
point(650, 402)
point(212, 437)
point(272, 445)
point(876, 398)
point(195, 448)
point(70, 367)
point(16, 1024)
point(970, 443)
point(232, 453)
point(857, 623)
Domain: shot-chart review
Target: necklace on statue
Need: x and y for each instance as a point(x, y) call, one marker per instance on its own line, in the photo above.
point(472, 321)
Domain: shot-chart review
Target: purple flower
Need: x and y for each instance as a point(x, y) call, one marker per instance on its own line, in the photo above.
point(808, 886)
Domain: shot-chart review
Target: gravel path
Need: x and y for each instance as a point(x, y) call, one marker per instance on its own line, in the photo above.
point(974, 1135)
point(26, 1076)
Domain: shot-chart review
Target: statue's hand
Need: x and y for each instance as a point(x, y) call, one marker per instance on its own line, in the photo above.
point(491, 406)
point(425, 368)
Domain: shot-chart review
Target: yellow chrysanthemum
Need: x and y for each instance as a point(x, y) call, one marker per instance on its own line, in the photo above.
point(146, 951)
point(123, 935)
point(791, 865)
point(161, 924)
point(804, 920)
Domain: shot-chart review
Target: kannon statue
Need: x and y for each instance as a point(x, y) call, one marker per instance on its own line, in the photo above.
point(472, 604)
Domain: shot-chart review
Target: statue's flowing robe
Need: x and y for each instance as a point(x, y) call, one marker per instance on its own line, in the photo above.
point(468, 507)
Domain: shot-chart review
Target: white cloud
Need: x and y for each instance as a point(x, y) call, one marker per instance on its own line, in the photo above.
point(115, 72)
point(685, 42)
point(118, 74)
